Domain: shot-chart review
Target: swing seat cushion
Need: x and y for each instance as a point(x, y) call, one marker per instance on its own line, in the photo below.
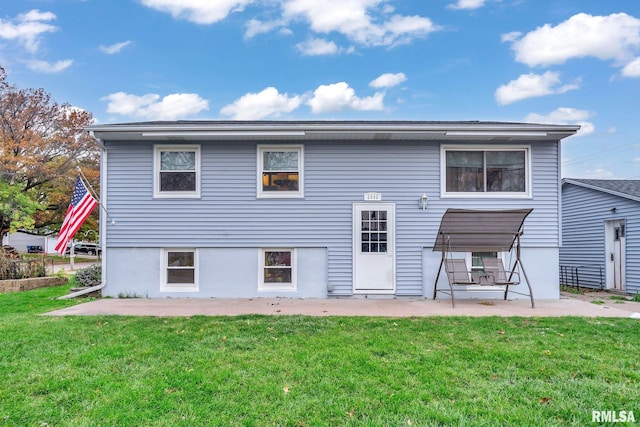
point(457, 272)
point(494, 268)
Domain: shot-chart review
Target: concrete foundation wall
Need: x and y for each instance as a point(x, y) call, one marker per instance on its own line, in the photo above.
point(222, 273)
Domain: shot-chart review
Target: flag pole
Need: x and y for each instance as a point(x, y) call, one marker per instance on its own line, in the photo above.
point(93, 193)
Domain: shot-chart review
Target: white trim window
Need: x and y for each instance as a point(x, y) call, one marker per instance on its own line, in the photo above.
point(180, 270)
point(474, 259)
point(488, 171)
point(477, 257)
point(277, 270)
point(176, 171)
point(280, 171)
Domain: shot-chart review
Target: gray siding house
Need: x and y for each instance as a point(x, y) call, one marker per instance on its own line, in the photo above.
point(600, 229)
point(314, 208)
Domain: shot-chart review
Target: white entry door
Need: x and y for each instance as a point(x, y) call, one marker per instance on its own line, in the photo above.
point(615, 247)
point(374, 255)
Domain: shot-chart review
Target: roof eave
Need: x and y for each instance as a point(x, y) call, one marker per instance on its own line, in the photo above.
point(319, 130)
point(598, 188)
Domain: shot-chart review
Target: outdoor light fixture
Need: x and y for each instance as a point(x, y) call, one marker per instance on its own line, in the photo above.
point(423, 202)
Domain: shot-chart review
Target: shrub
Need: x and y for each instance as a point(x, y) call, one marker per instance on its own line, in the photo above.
point(90, 276)
point(17, 268)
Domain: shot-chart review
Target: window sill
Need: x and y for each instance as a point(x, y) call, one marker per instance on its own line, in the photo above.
point(492, 195)
point(176, 196)
point(480, 288)
point(277, 289)
point(179, 289)
point(282, 195)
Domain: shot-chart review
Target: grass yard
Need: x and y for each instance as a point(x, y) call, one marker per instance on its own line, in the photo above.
point(304, 371)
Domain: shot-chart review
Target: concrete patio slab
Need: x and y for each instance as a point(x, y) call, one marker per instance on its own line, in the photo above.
point(567, 305)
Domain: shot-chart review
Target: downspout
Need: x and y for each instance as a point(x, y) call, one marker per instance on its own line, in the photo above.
point(559, 207)
point(103, 223)
point(84, 291)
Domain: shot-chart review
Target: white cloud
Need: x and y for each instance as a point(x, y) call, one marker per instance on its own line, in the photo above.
point(467, 4)
point(255, 27)
point(48, 67)
point(388, 80)
point(151, 107)
point(317, 47)
point(532, 85)
point(365, 22)
point(114, 48)
point(565, 116)
point(355, 19)
point(632, 69)
point(198, 11)
point(255, 106)
point(27, 28)
point(340, 96)
point(613, 37)
point(510, 37)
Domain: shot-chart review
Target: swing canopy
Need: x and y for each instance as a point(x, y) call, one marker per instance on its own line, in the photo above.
point(468, 230)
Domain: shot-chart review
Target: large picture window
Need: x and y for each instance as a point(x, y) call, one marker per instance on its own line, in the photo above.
point(177, 170)
point(277, 269)
point(180, 270)
point(496, 170)
point(280, 171)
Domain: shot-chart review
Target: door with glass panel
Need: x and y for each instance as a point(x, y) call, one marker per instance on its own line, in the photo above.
point(615, 235)
point(374, 248)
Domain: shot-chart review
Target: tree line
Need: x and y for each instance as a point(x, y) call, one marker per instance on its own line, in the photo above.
point(42, 145)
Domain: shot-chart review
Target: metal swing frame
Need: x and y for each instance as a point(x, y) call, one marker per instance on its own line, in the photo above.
point(466, 230)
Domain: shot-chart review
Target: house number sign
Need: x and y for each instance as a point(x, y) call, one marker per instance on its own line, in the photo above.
point(372, 197)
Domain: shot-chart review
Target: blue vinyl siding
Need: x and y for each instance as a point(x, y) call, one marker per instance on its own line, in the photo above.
point(337, 174)
point(584, 212)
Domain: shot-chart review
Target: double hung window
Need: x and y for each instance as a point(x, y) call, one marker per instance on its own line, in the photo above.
point(177, 171)
point(280, 171)
point(477, 257)
point(180, 270)
point(278, 269)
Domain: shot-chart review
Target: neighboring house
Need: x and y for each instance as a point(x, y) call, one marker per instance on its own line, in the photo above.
point(314, 208)
point(600, 233)
point(21, 240)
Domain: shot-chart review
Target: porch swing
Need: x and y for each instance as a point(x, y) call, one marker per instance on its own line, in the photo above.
point(466, 230)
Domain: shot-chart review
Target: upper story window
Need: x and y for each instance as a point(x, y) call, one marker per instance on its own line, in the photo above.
point(177, 171)
point(475, 171)
point(280, 171)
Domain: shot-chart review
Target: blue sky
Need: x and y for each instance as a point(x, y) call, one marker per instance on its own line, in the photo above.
point(545, 61)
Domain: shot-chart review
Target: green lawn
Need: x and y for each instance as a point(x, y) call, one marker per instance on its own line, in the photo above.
point(304, 371)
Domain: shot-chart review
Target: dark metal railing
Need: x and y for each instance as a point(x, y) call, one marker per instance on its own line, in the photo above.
point(586, 276)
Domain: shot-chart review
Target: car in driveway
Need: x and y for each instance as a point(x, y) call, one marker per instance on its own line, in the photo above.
point(84, 248)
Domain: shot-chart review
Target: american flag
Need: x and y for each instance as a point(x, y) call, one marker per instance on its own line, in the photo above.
point(81, 206)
